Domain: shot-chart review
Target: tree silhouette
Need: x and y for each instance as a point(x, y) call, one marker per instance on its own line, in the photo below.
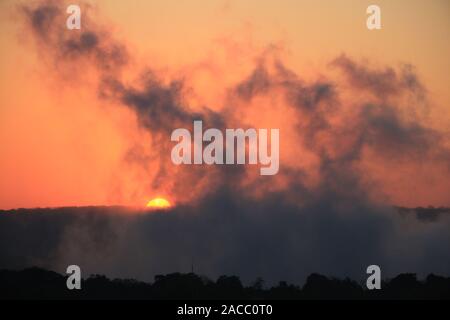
point(36, 283)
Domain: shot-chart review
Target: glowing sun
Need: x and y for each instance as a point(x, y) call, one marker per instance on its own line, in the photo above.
point(158, 203)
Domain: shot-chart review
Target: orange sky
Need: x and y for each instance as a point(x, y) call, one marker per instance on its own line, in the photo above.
point(61, 145)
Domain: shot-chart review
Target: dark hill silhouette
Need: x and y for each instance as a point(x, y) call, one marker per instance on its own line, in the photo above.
point(36, 235)
point(36, 283)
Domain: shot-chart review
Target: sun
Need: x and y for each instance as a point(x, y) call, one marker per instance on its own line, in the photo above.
point(159, 203)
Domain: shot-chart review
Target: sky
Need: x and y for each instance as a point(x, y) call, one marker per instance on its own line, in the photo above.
point(86, 118)
point(65, 143)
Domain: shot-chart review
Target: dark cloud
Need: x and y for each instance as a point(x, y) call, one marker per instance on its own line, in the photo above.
point(429, 214)
point(376, 122)
point(258, 82)
point(384, 129)
point(46, 22)
point(159, 106)
point(384, 82)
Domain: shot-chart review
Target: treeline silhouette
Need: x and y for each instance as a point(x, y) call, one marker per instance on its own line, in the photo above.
point(36, 283)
